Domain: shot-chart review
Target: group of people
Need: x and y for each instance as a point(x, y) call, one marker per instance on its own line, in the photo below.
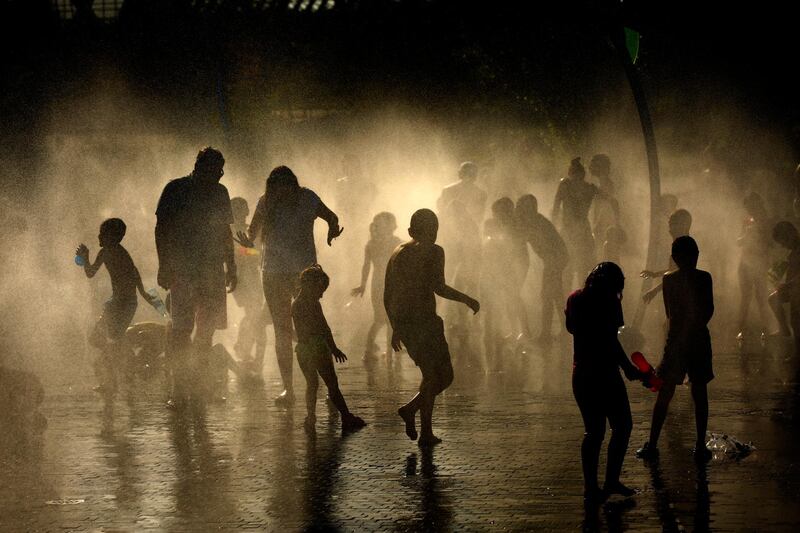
point(198, 228)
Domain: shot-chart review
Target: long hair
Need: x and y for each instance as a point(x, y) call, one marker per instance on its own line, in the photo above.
point(280, 176)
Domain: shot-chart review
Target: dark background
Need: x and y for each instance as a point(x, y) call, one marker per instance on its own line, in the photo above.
point(534, 63)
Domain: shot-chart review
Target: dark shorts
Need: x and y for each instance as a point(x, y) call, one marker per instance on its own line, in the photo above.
point(691, 356)
point(427, 347)
point(117, 316)
point(202, 300)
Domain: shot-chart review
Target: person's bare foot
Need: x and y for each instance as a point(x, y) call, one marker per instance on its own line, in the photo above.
point(285, 399)
point(408, 418)
point(618, 488)
point(351, 422)
point(429, 440)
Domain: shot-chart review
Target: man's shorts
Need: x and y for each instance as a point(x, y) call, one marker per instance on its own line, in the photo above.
point(117, 316)
point(202, 300)
point(427, 347)
point(690, 357)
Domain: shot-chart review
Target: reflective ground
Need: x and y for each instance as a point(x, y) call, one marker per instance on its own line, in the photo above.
point(509, 461)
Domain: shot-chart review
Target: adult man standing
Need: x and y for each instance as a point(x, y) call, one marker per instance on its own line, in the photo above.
point(195, 260)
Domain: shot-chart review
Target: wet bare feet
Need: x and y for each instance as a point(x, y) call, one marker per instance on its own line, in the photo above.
point(618, 488)
point(429, 440)
point(351, 422)
point(408, 418)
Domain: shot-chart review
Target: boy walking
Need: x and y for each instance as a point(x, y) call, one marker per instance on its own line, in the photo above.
point(414, 275)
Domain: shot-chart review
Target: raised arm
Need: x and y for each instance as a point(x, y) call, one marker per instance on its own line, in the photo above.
point(90, 269)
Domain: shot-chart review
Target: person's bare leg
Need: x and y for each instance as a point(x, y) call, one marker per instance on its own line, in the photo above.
point(700, 397)
point(760, 295)
point(408, 413)
point(665, 395)
point(283, 349)
point(746, 294)
point(312, 384)
point(427, 400)
point(260, 335)
point(778, 311)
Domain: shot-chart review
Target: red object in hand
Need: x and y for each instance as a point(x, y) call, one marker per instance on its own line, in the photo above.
point(650, 374)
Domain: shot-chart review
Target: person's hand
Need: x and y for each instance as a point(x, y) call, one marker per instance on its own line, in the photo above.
point(474, 305)
point(632, 373)
point(83, 252)
point(397, 345)
point(243, 239)
point(647, 274)
point(164, 278)
point(649, 295)
point(333, 232)
point(358, 291)
point(231, 279)
point(339, 355)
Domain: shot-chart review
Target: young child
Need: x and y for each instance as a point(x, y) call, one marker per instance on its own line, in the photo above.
point(250, 297)
point(119, 310)
point(689, 304)
point(785, 234)
point(414, 275)
point(315, 346)
point(377, 252)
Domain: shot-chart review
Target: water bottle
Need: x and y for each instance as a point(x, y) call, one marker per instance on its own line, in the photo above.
point(157, 302)
point(80, 261)
point(645, 368)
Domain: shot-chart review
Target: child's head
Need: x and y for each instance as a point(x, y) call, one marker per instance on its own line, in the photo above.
point(754, 205)
point(383, 225)
point(680, 222)
point(600, 165)
point(503, 210)
point(240, 210)
point(468, 171)
point(111, 232)
point(785, 234)
point(424, 226)
point(314, 280)
point(606, 278)
point(685, 252)
point(527, 207)
point(576, 170)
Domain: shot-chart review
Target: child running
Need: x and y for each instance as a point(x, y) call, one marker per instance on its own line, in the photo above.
point(315, 346)
point(414, 275)
point(377, 252)
point(119, 310)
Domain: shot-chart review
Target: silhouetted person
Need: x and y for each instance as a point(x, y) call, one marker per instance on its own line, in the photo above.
point(316, 348)
point(604, 211)
point(575, 195)
point(252, 330)
point(788, 292)
point(680, 224)
point(382, 242)
point(755, 241)
point(414, 276)
point(517, 263)
point(118, 312)
point(465, 191)
point(689, 304)
point(593, 316)
point(195, 257)
point(545, 241)
point(284, 219)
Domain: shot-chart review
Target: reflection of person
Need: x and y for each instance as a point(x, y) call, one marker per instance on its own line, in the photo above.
point(593, 316)
point(414, 275)
point(285, 218)
point(119, 310)
point(689, 304)
point(787, 236)
point(545, 241)
point(195, 254)
point(377, 252)
point(316, 348)
point(252, 330)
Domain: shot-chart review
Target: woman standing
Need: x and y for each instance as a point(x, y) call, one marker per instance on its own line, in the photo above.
point(594, 314)
point(284, 218)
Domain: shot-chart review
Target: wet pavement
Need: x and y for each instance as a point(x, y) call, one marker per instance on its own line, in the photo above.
point(509, 460)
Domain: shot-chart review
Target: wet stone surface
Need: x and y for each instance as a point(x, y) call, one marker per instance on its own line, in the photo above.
point(509, 460)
